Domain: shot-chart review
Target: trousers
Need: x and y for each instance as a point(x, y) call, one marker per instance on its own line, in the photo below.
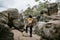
point(30, 29)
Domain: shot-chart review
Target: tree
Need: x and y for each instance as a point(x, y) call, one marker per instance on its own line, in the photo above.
point(36, 0)
point(28, 11)
point(42, 5)
point(35, 10)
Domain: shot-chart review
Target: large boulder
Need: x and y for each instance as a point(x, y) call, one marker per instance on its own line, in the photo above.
point(52, 9)
point(7, 20)
point(21, 21)
point(39, 27)
point(3, 18)
point(13, 13)
point(5, 32)
point(50, 30)
point(12, 17)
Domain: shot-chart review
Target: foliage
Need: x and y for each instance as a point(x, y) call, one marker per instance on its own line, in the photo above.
point(28, 11)
point(36, 0)
point(35, 10)
point(41, 6)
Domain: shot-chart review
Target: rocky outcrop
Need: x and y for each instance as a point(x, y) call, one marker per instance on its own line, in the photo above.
point(52, 9)
point(6, 21)
point(50, 30)
point(39, 27)
point(5, 32)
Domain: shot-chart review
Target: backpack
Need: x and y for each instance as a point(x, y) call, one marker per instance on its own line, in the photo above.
point(30, 21)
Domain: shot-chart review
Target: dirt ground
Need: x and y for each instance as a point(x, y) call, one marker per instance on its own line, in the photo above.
point(24, 36)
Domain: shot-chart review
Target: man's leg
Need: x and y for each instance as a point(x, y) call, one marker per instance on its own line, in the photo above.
point(31, 31)
point(26, 29)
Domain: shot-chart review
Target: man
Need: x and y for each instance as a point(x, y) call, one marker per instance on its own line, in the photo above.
point(29, 24)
